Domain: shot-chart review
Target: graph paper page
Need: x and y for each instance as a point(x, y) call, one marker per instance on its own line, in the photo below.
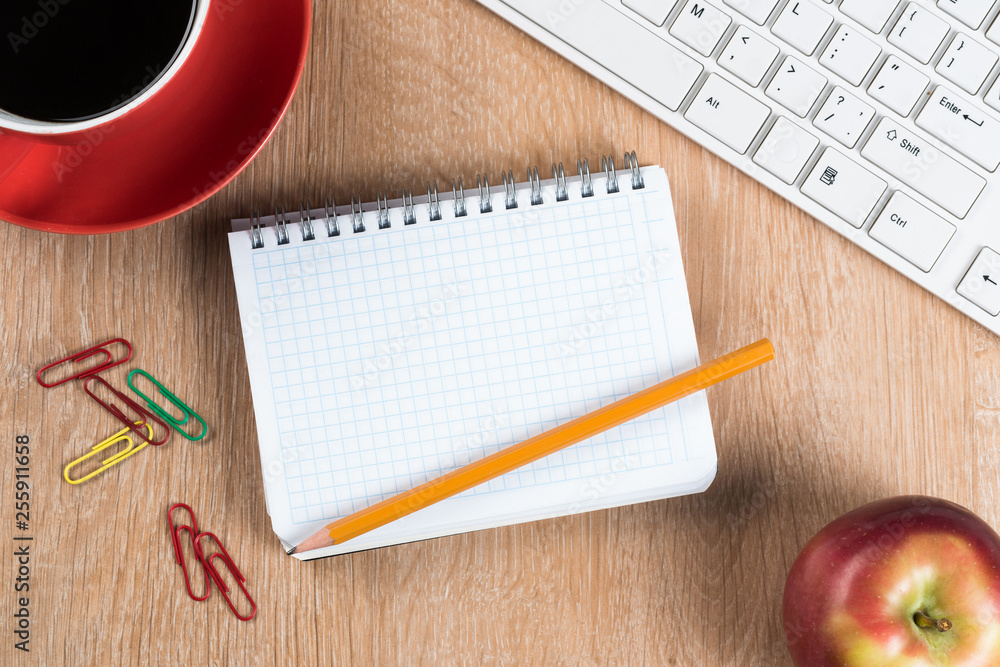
point(382, 359)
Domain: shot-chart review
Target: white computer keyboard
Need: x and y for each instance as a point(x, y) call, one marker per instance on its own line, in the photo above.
point(879, 117)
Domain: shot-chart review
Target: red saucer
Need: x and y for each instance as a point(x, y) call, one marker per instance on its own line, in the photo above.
point(180, 147)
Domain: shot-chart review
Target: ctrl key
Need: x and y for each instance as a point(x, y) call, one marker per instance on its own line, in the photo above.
point(841, 185)
point(980, 284)
point(912, 231)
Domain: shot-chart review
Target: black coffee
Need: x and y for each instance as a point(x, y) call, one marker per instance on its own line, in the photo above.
point(63, 60)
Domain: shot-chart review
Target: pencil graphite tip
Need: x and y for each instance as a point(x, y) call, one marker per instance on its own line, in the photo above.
point(291, 551)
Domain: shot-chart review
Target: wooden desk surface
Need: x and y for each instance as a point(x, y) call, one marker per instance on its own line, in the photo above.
point(880, 389)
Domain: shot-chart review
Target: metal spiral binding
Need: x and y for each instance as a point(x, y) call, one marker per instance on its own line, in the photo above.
point(409, 218)
point(560, 176)
point(357, 217)
point(305, 218)
point(459, 198)
point(256, 235)
point(536, 186)
point(608, 164)
point(632, 163)
point(586, 183)
point(433, 203)
point(509, 192)
point(485, 202)
point(410, 211)
point(332, 226)
point(383, 211)
point(281, 226)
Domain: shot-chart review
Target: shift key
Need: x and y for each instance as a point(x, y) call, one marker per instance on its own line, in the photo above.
point(916, 162)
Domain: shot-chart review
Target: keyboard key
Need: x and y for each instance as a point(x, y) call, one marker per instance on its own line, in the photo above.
point(966, 63)
point(962, 126)
point(844, 117)
point(796, 87)
point(918, 32)
point(993, 34)
point(748, 56)
point(914, 161)
point(802, 24)
point(898, 86)
point(969, 12)
point(850, 54)
point(586, 29)
point(700, 26)
point(872, 14)
point(993, 97)
point(785, 150)
point(912, 231)
point(727, 113)
point(843, 186)
point(654, 11)
point(980, 285)
point(755, 10)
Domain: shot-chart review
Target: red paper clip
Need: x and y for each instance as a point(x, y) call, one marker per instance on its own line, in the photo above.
point(142, 414)
point(82, 356)
point(217, 578)
point(192, 530)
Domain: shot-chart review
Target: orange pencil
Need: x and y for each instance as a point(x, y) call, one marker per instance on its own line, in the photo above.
point(541, 445)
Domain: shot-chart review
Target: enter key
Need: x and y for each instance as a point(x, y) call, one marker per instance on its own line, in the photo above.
point(918, 163)
point(966, 128)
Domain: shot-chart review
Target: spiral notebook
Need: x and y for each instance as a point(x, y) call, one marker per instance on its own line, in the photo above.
point(390, 343)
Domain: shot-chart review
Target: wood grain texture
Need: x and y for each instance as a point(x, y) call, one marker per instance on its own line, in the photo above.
point(879, 389)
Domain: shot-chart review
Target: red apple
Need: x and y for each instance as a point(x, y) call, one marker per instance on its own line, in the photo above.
point(904, 582)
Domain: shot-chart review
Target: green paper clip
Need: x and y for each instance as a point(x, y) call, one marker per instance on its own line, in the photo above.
point(163, 414)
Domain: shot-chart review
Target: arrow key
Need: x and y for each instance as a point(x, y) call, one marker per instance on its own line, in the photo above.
point(980, 284)
point(748, 56)
point(964, 127)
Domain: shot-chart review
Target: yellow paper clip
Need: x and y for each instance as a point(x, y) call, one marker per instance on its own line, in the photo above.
point(121, 436)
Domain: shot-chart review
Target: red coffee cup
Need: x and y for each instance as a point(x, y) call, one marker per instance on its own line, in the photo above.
point(190, 131)
point(130, 100)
